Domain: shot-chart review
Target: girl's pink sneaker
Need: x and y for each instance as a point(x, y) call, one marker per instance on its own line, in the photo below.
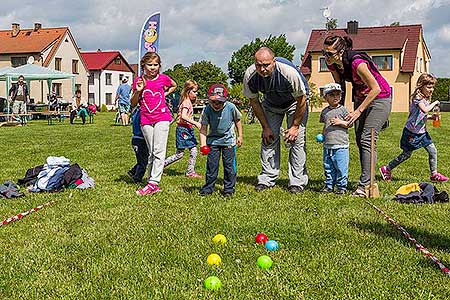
point(385, 173)
point(194, 175)
point(149, 189)
point(438, 177)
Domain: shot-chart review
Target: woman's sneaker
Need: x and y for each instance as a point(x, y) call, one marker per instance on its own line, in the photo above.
point(385, 173)
point(438, 177)
point(149, 189)
point(193, 175)
point(360, 192)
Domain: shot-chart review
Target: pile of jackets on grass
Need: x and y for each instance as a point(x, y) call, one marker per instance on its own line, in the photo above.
point(9, 189)
point(418, 193)
point(56, 174)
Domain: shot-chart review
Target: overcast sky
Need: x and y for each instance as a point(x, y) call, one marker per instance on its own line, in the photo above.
point(213, 30)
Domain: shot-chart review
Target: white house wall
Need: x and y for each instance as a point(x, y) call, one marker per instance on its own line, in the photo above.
point(100, 89)
point(68, 51)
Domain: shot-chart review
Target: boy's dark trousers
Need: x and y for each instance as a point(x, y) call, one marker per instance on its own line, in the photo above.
point(212, 169)
point(141, 151)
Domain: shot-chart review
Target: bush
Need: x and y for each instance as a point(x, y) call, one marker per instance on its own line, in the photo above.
point(104, 108)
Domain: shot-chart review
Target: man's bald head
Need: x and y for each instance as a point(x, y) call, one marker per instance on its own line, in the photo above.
point(264, 61)
point(265, 51)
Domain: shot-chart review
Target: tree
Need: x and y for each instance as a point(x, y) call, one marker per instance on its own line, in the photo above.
point(442, 90)
point(180, 74)
point(235, 92)
point(244, 57)
point(206, 74)
point(331, 24)
point(315, 100)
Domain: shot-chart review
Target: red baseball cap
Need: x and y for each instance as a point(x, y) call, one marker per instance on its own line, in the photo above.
point(218, 89)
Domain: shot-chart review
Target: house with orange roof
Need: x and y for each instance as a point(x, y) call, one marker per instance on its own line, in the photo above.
point(400, 52)
point(106, 69)
point(54, 48)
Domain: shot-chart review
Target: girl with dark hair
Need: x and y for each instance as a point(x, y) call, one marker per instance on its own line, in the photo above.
point(371, 95)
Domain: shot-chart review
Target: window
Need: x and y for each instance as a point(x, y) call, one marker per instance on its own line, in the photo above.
point(117, 61)
point(57, 64)
point(383, 62)
point(322, 65)
point(108, 78)
point(108, 97)
point(77, 87)
point(75, 66)
point(91, 79)
point(120, 78)
point(57, 88)
point(91, 97)
point(18, 61)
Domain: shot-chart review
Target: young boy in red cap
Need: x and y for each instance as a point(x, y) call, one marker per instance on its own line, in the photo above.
point(221, 116)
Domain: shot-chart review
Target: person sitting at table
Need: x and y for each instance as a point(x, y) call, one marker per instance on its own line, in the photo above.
point(79, 108)
point(53, 102)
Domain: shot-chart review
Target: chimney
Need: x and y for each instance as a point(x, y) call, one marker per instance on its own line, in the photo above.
point(15, 29)
point(37, 26)
point(352, 27)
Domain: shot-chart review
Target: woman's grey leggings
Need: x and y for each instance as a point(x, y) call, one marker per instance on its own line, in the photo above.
point(376, 114)
point(432, 158)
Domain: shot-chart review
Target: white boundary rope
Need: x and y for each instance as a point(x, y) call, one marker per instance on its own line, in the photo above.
point(412, 240)
point(23, 214)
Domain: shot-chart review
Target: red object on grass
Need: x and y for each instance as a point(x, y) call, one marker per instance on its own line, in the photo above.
point(205, 150)
point(261, 238)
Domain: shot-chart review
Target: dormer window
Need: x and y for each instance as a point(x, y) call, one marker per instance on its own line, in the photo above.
point(117, 61)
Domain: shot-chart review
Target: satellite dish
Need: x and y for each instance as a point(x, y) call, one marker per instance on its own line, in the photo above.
point(30, 60)
point(326, 12)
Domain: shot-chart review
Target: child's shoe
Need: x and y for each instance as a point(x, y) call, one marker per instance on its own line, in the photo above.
point(326, 190)
point(385, 173)
point(193, 175)
point(438, 177)
point(149, 189)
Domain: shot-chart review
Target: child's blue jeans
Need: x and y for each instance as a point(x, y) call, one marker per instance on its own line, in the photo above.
point(335, 165)
point(212, 169)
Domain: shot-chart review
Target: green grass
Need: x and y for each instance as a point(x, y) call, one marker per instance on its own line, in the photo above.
point(108, 243)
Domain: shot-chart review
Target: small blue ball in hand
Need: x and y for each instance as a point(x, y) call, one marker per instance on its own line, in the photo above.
point(320, 138)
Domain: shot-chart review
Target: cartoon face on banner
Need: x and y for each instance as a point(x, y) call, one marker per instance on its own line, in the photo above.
point(150, 36)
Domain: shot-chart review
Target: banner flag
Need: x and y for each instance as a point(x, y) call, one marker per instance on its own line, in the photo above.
point(149, 37)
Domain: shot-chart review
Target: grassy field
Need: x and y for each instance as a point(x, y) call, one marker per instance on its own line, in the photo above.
point(108, 243)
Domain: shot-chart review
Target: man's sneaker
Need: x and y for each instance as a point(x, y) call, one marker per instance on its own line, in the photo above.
point(261, 187)
point(149, 189)
point(295, 189)
point(385, 173)
point(325, 190)
point(438, 177)
point(193, 175)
